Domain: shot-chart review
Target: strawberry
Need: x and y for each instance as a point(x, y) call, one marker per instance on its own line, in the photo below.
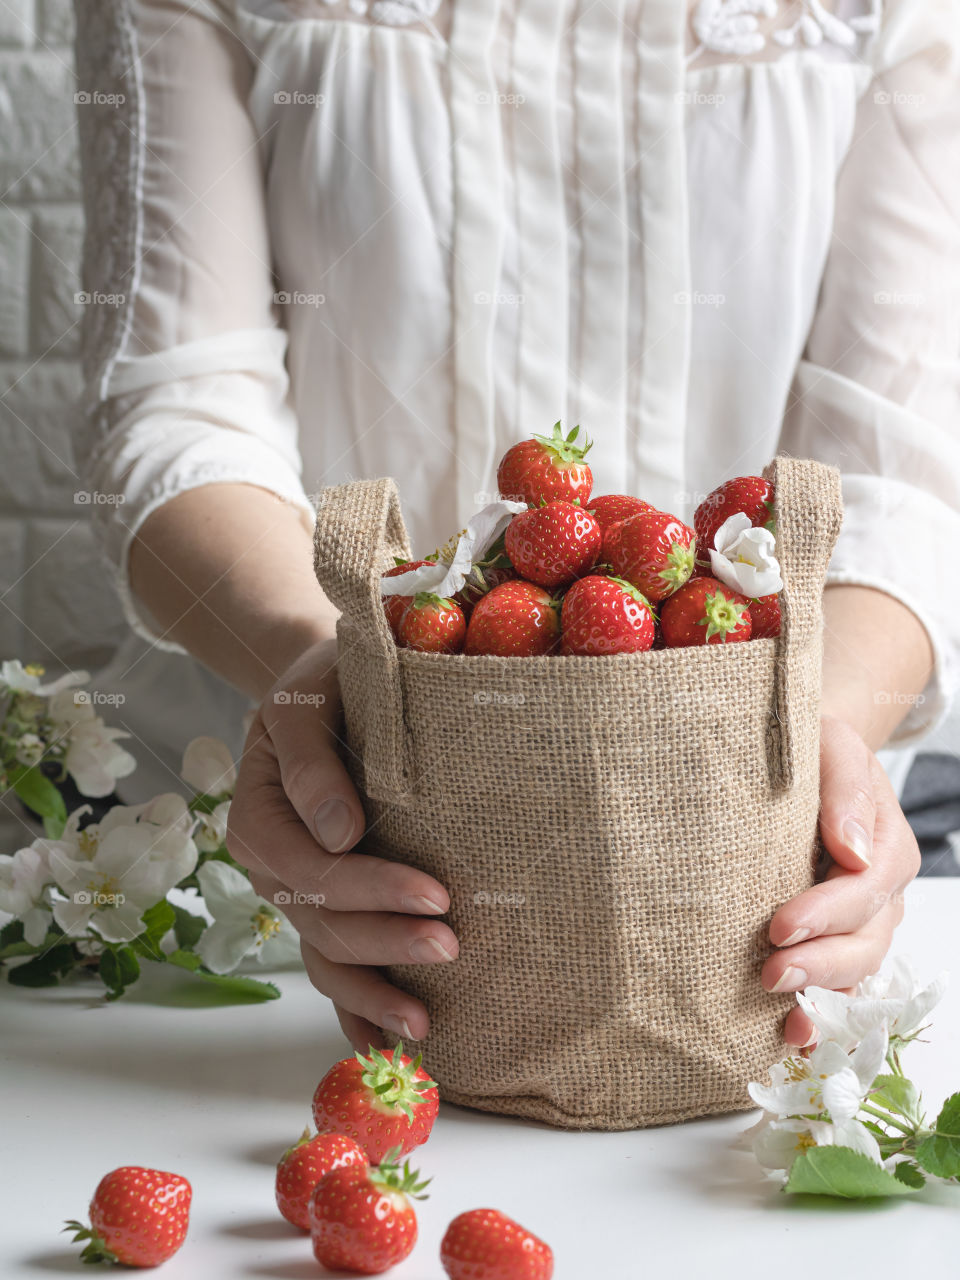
point(765, 617)
point(396, 606)
point(137, 1216)
point(605, 615)
point(610, 508)
point(432, 625)
point(653, 550)
point(553, 544)
point(749, 494)
point(381, 1102)
point(516, 620)
point(361, 1218)
point(484, 1244)
point(303, 1165)
point(704, 611)
point(545, 469)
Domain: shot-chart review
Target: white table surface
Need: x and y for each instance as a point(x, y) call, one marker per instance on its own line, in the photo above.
point(158, 1079)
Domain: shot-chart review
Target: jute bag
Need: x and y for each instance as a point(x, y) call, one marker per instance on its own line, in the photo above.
point(614, 833)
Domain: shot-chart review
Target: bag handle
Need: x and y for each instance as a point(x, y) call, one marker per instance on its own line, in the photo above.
point(358, 533)
point(808, 509)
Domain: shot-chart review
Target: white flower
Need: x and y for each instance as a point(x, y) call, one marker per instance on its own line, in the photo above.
point(743, 557)
point(113, 870)
point(895, 1000)
point(24, 891)
point(829, 1080)
point(92, 757)
point(23, 679)
point(243, 924)
point(30, 749)
point(211, 834)
point(208, 767)
point(445, 577)
point(777, 1143)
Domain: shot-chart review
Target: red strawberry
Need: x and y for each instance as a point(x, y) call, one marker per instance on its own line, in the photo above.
point(553, 544)
point(653, 550)
point(749, 494)
point(605, 615)
point(381, 1102)
point(361, 1218)
point(765, 617)
point(545, 469)
point(396, 606)
point(516, 620)
point(484, 1244)
point(137, 1216)
point(704, 611)
point(303, 1165)
point(432, 625)
point(611, 508)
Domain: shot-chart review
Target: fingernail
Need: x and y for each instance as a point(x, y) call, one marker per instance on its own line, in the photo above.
point(423, 906)
point(334, 825)
point(792, 979)
point(857, 841)
point(798, 935)
point(429, 951)
point(811, 1039)
point(399, 1026)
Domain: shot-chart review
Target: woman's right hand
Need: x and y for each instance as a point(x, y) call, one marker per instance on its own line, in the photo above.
point(293, 817)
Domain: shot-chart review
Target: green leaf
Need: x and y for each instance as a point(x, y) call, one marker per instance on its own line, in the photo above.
point(119, 968)
point(840, 1171)
point(11, 932)
point(898, 1095)
point(158, 920)
point(187, 928)
point(44, 970)
point(202, 803)
point(39, 794)
point(908, 1173)
point(939, 1151)
point(234, 985)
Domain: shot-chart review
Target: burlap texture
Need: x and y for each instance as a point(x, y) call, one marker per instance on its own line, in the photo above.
point(614, 832)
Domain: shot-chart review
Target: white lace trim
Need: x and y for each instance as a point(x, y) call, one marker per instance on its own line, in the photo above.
point(391, 13)
point(732, 27)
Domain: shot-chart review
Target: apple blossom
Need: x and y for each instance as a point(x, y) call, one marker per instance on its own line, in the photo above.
point(743, 557)
point(25, 891)
point(243, 923)
point(208, 767)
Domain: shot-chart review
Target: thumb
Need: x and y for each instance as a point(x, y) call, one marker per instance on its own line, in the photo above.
point(848, 807)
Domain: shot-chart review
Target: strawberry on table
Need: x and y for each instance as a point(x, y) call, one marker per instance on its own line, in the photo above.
point(653, 550)
point(138, 1217)
point(516, 620)
point(765, 617)
point(361, 1218)
point(381, 1101)
point(303, 1165)
point(484, 1244)
point(611, 508)
point(704, 611)
point(432, 625)
point(553, 544)
point(396, 606)
point(546, 468)
point(605, 615)
point(750, 494)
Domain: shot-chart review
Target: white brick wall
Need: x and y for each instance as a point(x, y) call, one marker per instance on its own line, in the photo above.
point(56, 605)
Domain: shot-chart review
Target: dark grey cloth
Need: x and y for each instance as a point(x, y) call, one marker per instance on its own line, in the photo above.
point(931, 802)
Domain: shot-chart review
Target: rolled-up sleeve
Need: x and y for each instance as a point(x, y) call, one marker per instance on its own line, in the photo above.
point(186, 381)
point(878, 391)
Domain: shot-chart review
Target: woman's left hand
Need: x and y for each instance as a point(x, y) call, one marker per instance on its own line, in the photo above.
point(839, 931)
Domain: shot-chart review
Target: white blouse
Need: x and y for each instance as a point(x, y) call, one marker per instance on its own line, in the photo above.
point(334, 240)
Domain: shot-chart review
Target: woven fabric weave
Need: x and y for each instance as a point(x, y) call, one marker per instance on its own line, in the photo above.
point(614, 833)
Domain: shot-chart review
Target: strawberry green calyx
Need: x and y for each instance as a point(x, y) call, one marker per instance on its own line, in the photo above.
point(304, 1138)
point(424, 598)
point(631, 590)
point(393, 1081)
point(680, 561)
point(96, 1248)
point(388, 1175)
point(565, 447)
point(721, 616)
